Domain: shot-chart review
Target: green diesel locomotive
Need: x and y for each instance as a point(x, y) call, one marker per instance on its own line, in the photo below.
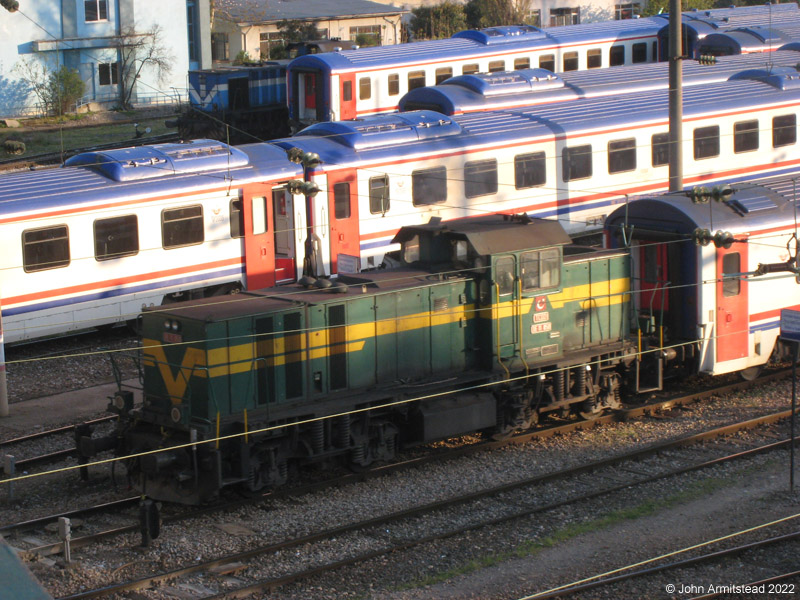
point(487, 324)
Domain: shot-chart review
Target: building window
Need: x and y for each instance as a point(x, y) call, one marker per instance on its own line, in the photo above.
point(529, 170)
point(191, 29)
point(660, 149)
point(116, 237)
point(622, 155)
point(394, 84)
point(534, 17)
point(416, 79)
point(470, 68)
point(379, 195)
point(570, 61)
point(594, 58)
point(95, 10)
point(639, 53)
point(784, 130)
point(548, 61)
point(522, 63)
point(366, 35)
point(46, 248)
point(706, 142)
point(182, 226)
point(108, 73)
point(564, 16)
point(616, 56)
point(496, 66)
point(576, 162)
point(270, 43)
point(219, 46)
point(364, 88)
point(745, 136)
point(626, 11)
point(480, 178)
point(442, 74)
point(429, 186)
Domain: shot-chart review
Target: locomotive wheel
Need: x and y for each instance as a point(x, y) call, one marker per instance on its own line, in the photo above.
point(591, 409)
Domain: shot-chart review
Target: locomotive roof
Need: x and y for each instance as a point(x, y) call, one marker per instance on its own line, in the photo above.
point(141, 172)
point(753, 206)
point(425, 133)
point(750, 39)
point(485, 90)
point(493, 234)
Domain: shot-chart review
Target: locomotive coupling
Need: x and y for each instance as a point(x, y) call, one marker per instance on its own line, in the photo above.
point(89, 446)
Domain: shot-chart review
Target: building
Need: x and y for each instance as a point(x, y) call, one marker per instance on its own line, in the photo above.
point(252, 26)
point(94, 37)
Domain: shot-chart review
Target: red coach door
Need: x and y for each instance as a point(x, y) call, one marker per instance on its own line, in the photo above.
point(732, 305)
point(343, 219)
point(653, 276)
point(347, 94)
point(259, 246)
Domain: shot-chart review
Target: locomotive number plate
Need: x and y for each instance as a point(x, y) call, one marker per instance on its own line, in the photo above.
point(541, 327)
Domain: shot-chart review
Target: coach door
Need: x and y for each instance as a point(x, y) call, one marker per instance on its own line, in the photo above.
point(285, 255)
point(732, 304)
point(259, 246)
point(347, 93)
point(653, 277)
point(343, 222)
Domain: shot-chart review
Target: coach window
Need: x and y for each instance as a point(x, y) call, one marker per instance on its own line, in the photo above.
point(182, 226)
point(659, 144)
point(745, 136)
point(236, 218)
point(570, 61)
point(576, 162)
point(496, 66)
point(616, 56)
point(522, 63)
point(784, 130)
point(416, 79)
point(347, 91)
point(394, 84)
point(341, 200)
point(594, 58)
point(731, 264)
point(622, 155)
point(46, 248)
point(364, 88)
point(529, 170)
point(116, 237)
point(470, 69)
point(442, 74)
point(639, 53)
point(480, 178)
point(706, 142)
point(548, 61)
point(429, 186)
point(379, 195)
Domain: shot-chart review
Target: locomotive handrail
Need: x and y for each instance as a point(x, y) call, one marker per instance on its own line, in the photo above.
point(519, 326)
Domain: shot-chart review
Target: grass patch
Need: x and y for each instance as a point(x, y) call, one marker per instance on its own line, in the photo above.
point(40, 141)
point(693, 491)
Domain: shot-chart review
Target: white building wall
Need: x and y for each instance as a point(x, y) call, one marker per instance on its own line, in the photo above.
point(56, 33)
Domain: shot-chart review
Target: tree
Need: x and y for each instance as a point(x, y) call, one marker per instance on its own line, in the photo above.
point(137, 52)
point(654, 7)
point(491, 13)
point(56, 90)
point(437, 21)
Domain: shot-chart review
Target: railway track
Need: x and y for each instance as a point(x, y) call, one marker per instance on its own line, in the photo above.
point(465, 510)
